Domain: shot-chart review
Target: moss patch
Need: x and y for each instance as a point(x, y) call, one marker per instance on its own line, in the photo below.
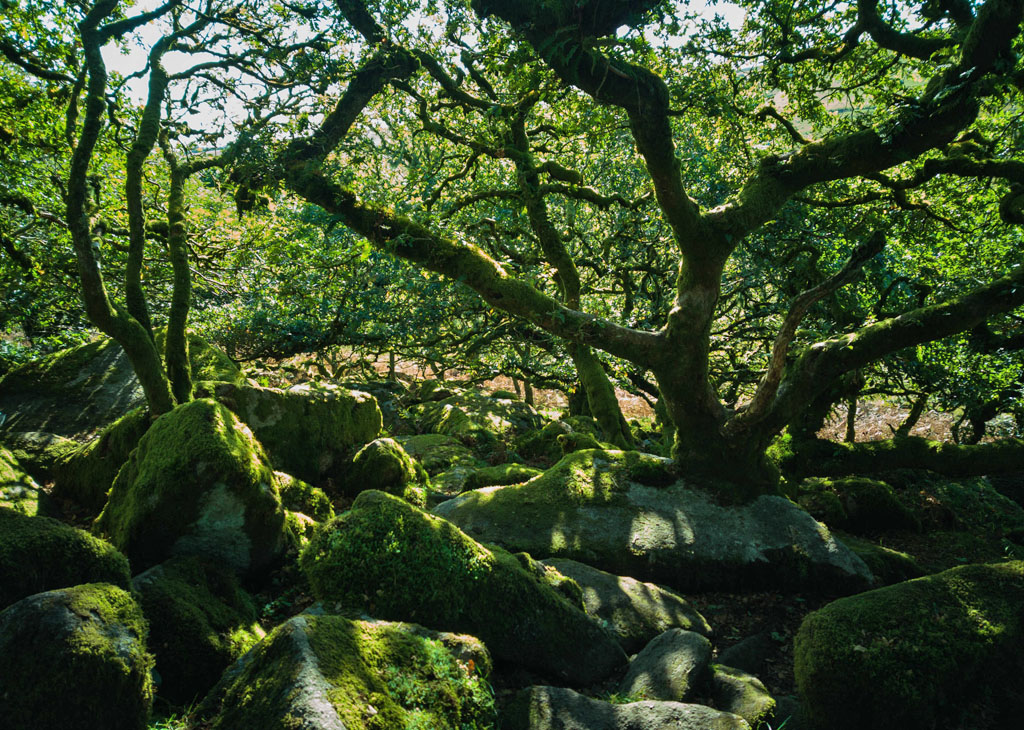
point(908, 655)
point(200, 622)
point(394, 561)
point(382, 464)
point(299, 496)
point(373, 676)
point(198, 483)
point(19, 491)
point(88, 669)
point(85, 475)
point(501, 475)
point(39, 554)
point(310, 430)
point(861, 506)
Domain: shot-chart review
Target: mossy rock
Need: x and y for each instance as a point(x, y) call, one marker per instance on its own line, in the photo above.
point(392, 560)
point(75, 659)
point(382, 464)
point(38, 452)
point(332, 673)
point(558, 438)
point(300, 496)
point(628, 513)
point(857, 505)
point(636, 612)
point(915, 654)
point(39, 554)
point(743, 694)
point(501, 475)
point(85, 475)
point(200, 622)
point(19, 491)
point(888, 565)
point(559, 708)
point(77, 392)
point(310, 430)
point(474, 417)
point(198, 484)
point(438, 453)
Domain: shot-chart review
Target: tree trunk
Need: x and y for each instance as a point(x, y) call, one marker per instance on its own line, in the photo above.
point(604, 404)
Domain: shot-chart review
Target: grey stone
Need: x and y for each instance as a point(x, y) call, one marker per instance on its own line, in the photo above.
point(620, 511)
point(750, 653)
point(636, 612)
point(670, 668)
point(556, 708)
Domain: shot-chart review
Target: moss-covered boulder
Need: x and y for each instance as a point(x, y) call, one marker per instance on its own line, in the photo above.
point(915, 654)
point(886, 564)
point(75, 659)
point(19, 491)
point(200, 621)
point(558, 708)
point(198, 484)
point(475, 417)
point(501, 475)
point(740, 693)
point(300, 496)
point(85, 475)
point(438, 453)
point(383, 464)
point(310, 430)
point(39, 451)
point(331, 673)
point(39, 554)
point(77, 392)
point(672, 667)
point(636, 612)
point(626, 513)
point(855, 504)
point(543, 445)
point(392, 560)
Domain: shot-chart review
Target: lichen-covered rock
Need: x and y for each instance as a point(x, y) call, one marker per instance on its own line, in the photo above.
point(392, 560)
point(75, 659)
point(858, 505)
point(735, 691)
point(624, 512)
point(76, 392)
point(309, 430)
point(556, 708)
point(200, 621)
point(382, 464)
point(39, 554)
point(19, 491)
point(85, 475)
point(915, 654)
point(670, 667)
point(636, 612)
point(501, 475)
point(474, 418)
point(330, 673)
point(198, 484)
point(300, 496)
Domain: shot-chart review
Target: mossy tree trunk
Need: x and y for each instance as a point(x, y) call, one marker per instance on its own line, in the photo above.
point(710, 439)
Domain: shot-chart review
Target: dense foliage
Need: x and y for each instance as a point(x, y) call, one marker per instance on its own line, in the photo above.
point(750, 218)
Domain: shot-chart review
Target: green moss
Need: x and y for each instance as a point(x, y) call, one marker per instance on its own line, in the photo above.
point(200, 622)
point(474, 417)
point(197, 483)
point(378, 676)
point(887, 565)
point(501, 475)
point(39, 554)
point(382, 464)
point(394, 561)
point(89, 670)
point(37, 452)
point(504, 395)
point(85, 475)
point(437, 452)
point(309, 430)
point(862, 506)
point(18, 491)
point(299, 496)
point(742, 694)
point(911, 655)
